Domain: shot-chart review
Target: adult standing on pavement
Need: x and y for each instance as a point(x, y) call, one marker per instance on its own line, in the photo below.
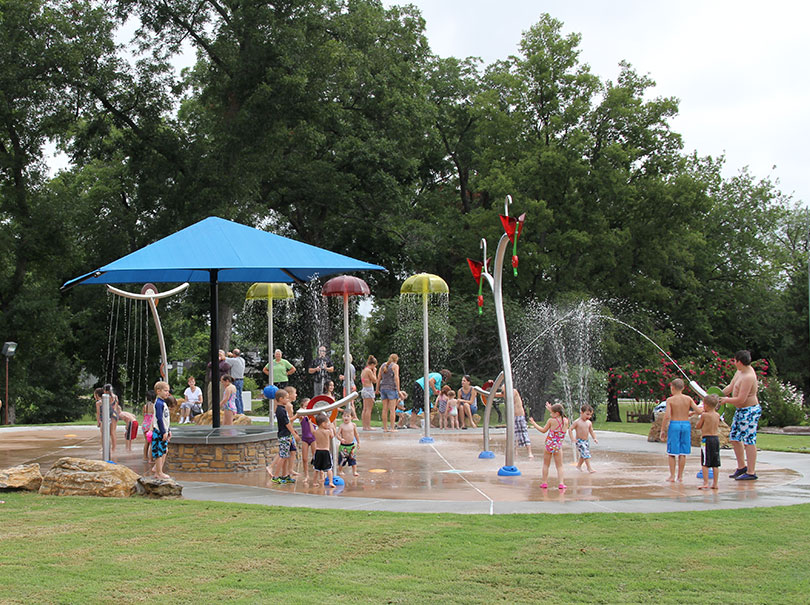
point(282, 369)
point(388, 388)
point(321, 367)
point(741, 392)
point(236, 369)
point(368, 380)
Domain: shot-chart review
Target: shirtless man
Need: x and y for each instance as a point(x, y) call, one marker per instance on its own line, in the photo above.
point(743, 436)
point(679, 435)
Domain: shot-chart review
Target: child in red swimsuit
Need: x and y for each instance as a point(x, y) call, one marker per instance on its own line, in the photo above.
point(556, 427)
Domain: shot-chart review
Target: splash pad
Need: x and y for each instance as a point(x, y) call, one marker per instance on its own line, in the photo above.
point(447, 476)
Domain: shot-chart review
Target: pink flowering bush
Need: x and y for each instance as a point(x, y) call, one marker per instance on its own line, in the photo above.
point(652, 384)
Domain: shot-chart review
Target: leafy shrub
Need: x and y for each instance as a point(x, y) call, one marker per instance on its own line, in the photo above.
point(782, 404)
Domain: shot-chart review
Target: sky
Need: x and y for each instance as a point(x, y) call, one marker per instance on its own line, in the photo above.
point(738, 68)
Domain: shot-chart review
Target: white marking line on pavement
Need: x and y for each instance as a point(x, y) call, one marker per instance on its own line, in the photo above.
point(491, 501)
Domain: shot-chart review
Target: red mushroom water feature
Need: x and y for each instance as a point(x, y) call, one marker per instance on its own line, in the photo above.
point(345, 286)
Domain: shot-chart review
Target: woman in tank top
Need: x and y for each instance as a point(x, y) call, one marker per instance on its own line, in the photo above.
point(468, 402)
point(388, 388)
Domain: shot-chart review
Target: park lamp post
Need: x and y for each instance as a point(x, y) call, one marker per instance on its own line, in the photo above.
point(9, 348)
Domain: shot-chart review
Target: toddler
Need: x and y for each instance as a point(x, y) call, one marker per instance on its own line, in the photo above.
point(583, 428)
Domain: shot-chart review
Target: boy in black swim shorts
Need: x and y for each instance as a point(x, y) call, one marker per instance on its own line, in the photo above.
point(709, 425)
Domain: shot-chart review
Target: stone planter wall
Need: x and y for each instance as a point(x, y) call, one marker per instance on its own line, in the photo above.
point(221, 457)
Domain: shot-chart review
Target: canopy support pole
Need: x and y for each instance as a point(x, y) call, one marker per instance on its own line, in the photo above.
point(214, 403)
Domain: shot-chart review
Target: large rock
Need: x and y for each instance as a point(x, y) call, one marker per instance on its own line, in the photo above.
point(81, 477)
point(208, 418)
point(23, 477)
point(152, 487)
point(655, 431)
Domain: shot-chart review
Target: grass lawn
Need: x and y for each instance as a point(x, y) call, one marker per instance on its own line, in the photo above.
point(71, 549)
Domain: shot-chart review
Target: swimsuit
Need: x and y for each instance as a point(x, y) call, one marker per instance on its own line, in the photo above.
point(322, 461)
point(306, 431)
point(147, 426)
point(522, 432)
point(442, 405)
point(744, 425)
point(555, 439)
point(367, 393)
point(584, 448)
point(679, 438)
point(284, 446)
point(231, 403)
point(710, 452)
point(346, 454)
point(159, 446)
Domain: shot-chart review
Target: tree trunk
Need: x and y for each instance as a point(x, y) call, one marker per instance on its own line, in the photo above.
point(613, 402)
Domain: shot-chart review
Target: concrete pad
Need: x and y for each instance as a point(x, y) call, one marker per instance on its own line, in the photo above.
point(399, 474)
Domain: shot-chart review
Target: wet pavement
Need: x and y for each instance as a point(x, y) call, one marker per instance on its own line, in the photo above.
point(397, 473)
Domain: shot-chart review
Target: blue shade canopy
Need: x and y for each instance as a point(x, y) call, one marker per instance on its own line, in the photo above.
point(239, 253)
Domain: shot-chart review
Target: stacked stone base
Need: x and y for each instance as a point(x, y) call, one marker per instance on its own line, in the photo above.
point(221, 457)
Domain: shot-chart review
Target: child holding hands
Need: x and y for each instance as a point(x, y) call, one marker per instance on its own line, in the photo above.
point(556, 427)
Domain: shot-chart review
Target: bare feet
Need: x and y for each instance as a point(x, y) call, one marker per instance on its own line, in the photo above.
point(356, 474)
point(163, 476)
point(714, 487)
point(671, 479)
point(531, 455)
point(590, 470)
point(703, 487)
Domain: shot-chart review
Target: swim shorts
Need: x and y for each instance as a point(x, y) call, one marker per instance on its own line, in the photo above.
point(584, 448)
point(710, 451)
point(744, 425)
point(679, 438)
point(131, 430)
point(522, 432)
point(346, 455)
point(389, 394)
point(159, 447)
point(322, 461)
point(284, 446)
point(367, 393)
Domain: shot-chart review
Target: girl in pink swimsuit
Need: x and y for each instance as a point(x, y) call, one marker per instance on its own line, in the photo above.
point(556, 427)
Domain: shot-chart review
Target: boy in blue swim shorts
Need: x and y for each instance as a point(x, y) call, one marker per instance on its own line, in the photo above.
point(679, 433)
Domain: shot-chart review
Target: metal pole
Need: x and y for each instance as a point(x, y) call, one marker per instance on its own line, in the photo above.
point(346, 380)
point(271, 403)
point(5, 409)
point(214, 348)
point(509, 467)
point(427, 438)
point(105, 427)
point(164, 366)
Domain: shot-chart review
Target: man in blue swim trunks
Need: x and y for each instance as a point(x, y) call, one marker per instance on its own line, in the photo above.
point(679, 435)
point(743, 436)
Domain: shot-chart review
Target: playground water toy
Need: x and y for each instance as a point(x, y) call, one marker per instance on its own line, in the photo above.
point(425, 284)
point(269, 292)
point(345, 286)
point(512, 230)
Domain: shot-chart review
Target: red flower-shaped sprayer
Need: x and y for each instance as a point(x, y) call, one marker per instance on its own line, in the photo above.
point(513, 227)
